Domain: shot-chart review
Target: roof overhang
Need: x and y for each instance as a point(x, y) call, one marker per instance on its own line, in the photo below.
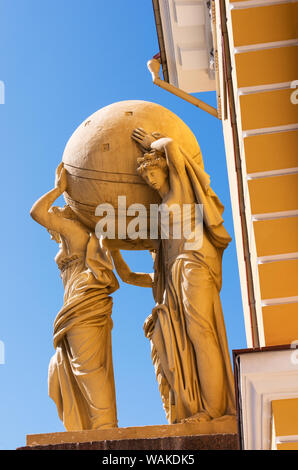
point(184, 30)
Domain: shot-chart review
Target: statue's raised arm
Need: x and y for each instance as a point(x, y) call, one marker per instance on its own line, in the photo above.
point(126, 275)
point(43, 212)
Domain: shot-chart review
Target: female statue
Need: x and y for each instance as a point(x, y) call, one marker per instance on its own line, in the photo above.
point(81, 377)
point(186, 328)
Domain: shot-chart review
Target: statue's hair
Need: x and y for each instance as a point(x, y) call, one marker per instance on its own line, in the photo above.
point(154, 159)
point(65, 211)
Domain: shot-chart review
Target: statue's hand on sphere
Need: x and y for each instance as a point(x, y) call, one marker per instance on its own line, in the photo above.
point(61, 178)
point(143, 139)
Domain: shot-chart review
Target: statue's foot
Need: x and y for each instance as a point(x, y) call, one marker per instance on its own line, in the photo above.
point(200, 417)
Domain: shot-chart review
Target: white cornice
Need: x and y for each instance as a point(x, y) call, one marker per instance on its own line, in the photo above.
point(186, 27)
point(262, 377)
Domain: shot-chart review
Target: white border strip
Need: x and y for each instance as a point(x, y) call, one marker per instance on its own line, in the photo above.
point(265, 45)
point(273, 258)
point(279, 301)
point(267, 174)
point(270, 130)
point(256, 3)
point(261, 88)
point(274, 215)
point(286, 439)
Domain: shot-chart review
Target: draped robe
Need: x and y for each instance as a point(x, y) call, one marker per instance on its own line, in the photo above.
point(186, 328)
point(81, 377)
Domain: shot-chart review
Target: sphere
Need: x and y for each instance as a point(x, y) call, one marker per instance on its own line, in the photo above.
point(101, 157)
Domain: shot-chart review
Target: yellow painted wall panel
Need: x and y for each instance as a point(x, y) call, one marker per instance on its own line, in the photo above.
point(268, 109)
point(273, 194)
point(285, 413)
point(279, 279)
point(287, 446)
point(276, 236)
point(264, 24)
point(280, 324)
point(267, 66)
point(274, 151)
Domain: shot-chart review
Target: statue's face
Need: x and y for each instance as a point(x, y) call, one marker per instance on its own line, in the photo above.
point(155, 177)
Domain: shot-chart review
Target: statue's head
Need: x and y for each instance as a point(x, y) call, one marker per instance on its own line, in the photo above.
point(65, 212)
point(154, 169)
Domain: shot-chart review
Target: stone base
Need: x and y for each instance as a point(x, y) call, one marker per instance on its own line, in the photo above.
point(213, 435)
point(200, 442)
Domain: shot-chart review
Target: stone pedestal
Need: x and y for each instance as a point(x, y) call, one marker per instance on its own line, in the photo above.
point(213, 435)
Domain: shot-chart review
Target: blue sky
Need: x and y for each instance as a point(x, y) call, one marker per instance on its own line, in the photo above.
point(60, 62)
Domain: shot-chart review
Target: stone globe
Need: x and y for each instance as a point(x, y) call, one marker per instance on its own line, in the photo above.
point(101, 158)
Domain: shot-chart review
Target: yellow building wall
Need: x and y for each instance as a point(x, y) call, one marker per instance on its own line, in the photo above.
point(273, 194)
point(280, 324)
point(265, 24)
point(260, 67)
point(272, 151)
point(279, 279)
point(268, 109)
point(288, 446)
point(264, 46)
point(275, 236)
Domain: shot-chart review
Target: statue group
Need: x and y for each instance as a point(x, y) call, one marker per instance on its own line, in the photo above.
point(186, 326)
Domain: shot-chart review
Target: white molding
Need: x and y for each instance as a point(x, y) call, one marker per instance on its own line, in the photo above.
point(189, 13)
point(274, 215)
point(264, 376)
point(274, 258)
point(256, 3)
point(279, 301)
point(270, 130)
point(192, 57)
point(286, 439)
point(267, 174)
point(249, 90)
point(265, 45)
